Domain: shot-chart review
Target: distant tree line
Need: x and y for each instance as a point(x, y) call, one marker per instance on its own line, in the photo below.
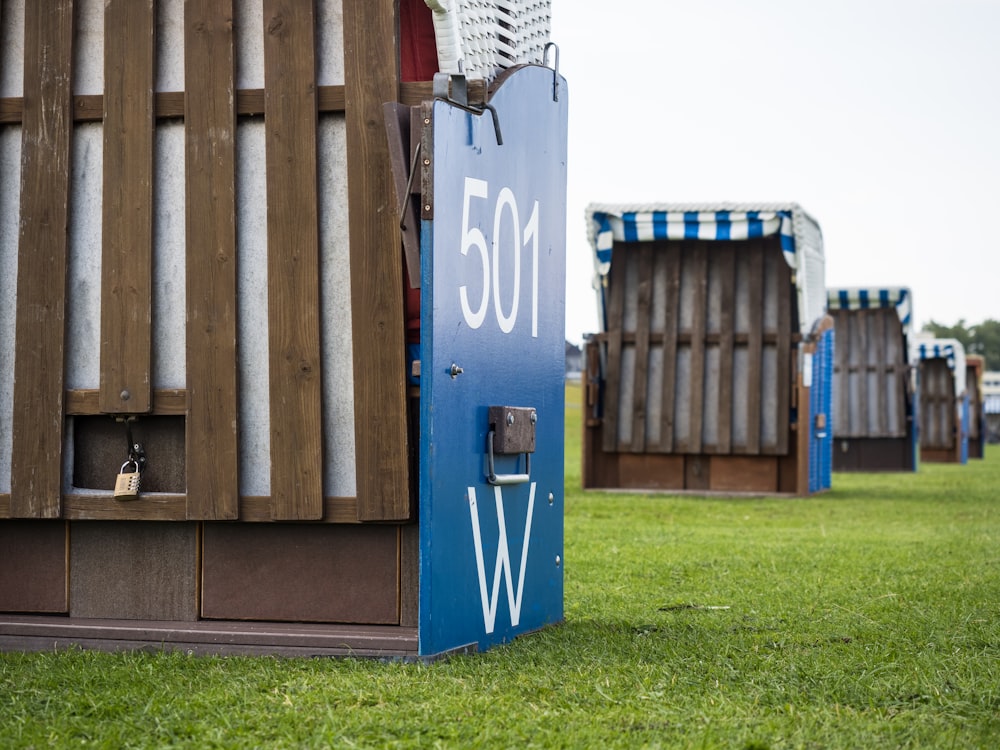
point(982, 338)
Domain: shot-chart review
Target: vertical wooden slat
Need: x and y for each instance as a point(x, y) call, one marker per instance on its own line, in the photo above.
point(644, 295)
point(36, 460)
point(612, 384)
point(673, 294)
point(127, 232)
point(786, 299)
point(755, 344)
point(699, 304)
point(371, 72)
point(865, 399)
point(210, 238)
point(882, 394)
point(726, 263)
point(293, 260)
point(842, 373)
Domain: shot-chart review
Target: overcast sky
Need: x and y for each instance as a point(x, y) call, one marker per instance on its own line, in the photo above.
point(881, 118)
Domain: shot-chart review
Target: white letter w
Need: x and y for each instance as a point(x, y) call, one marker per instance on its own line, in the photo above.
point(489, 599)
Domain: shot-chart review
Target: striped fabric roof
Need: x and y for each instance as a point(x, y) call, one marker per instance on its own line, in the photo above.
point(991, 403)
point(799, 234)
point(950, 350)
point(861, 298)
point(643, 226)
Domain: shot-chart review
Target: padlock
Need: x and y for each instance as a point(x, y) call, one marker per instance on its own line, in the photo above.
point(127, 483)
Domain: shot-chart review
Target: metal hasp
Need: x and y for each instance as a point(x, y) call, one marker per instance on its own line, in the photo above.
point(512, 431)
point(493, 264)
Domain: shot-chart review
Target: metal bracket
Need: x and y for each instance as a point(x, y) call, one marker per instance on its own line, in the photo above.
point(454, 89)
point(512, 431)
point(555, 67)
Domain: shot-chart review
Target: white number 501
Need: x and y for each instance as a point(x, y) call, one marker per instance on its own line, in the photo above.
point(489, 255)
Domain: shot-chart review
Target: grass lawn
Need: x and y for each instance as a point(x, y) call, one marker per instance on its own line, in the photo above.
point(865, 617)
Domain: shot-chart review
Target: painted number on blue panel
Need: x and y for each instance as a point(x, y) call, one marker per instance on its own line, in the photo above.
point(500, 298)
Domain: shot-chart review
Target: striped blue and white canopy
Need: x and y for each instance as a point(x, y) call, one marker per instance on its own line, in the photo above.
point(950, 350)
point(991, 403)
point(644, 226)
point(862, 298)
point(799, 235)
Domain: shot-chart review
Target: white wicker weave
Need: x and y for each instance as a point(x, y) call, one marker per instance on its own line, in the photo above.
point(482, 38)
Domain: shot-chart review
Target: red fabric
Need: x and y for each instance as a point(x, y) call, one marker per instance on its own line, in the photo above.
point(417, 48)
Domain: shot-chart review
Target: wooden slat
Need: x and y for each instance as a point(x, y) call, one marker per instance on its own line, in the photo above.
point(882, 389)
point(210, 261)
point(166, 402)
point(612, 385)
point(36, 460)
point(786, 298)
point(865, 399)
point(841, 376)
point(381, 444)
point(293, 261)
point(170, 104)
point(165, 506)
point(699, 271)
point(755, 288)
point(126, 267)
point(644, 295)
point(673, 294)
point(726, 263)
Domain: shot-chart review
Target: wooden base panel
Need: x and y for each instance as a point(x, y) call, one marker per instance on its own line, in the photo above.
point(940, 456)
point(46, 633)
point(873, 454)
point(33, 575)
point(731, 475)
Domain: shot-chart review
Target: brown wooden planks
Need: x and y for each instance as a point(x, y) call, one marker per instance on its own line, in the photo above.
point(640, 376)
point(673, 284)
point(727, 281)
point(126, 268)
point(614, 324)
point(786, 299)
point(696, 398)
point(372, 77)
point(755, 343)
point(293, 260)
point(36, 462)
point(210, 238)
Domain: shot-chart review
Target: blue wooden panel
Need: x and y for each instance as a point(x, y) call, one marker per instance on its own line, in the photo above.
point(820, 402)
point(963, 408)
point(493, 263)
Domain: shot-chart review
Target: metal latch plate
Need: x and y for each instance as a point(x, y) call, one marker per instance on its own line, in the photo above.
point(514, 429)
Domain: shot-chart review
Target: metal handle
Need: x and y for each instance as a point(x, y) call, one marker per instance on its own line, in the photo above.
point(503, 479)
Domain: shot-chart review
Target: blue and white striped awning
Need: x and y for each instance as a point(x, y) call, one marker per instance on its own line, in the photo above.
point(644, 226)
point(859, 298)
point(991, 403)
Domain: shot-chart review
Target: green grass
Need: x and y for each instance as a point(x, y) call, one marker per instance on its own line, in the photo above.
point(865, 617)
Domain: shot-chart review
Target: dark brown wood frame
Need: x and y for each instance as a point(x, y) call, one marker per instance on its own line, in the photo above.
point(385, 489)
